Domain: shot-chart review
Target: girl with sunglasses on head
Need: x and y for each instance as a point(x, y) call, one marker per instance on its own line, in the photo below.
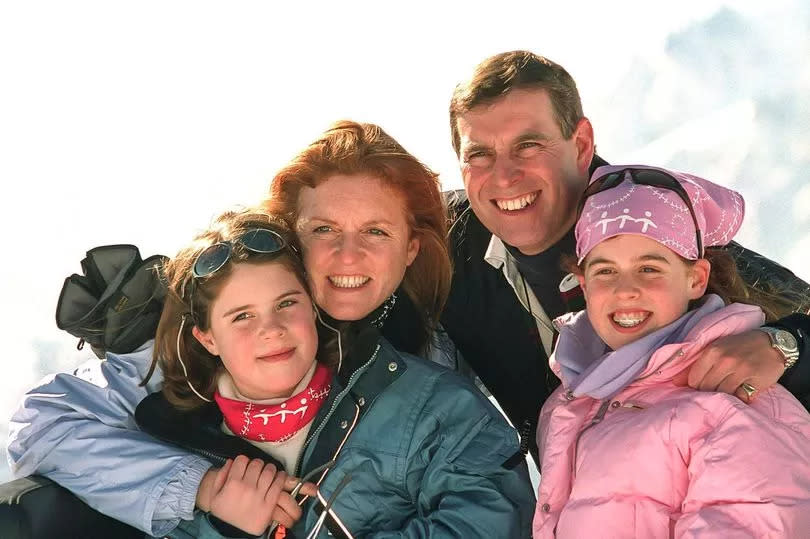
point(396, 444)
point(627, 448)
point(372, 228)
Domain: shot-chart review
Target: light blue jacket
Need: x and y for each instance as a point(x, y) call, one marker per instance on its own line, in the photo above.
point(429, 457)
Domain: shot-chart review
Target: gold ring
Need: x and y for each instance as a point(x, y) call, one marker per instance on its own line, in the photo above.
point(749, 389)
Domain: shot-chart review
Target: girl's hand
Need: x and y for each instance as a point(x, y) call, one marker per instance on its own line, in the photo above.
point(245, 494)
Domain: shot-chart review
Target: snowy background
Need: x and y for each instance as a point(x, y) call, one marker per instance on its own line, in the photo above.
point(137, 122)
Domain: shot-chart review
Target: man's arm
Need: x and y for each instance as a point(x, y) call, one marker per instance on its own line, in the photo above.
point(749, 357)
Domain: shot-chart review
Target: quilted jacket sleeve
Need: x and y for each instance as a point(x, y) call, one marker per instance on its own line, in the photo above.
point(750, 477)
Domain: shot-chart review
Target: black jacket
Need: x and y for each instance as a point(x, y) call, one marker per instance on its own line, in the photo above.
point(500, 341)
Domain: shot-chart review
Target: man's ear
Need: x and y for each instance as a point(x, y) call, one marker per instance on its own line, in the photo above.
point(699, 278)
point(583, 140)
point(206, 338)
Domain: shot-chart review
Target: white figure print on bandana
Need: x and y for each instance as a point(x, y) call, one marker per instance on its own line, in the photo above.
point(645, 221)
point(276, 422)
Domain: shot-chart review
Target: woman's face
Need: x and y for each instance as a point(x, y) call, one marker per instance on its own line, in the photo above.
point(357, 243)
point(263, 329)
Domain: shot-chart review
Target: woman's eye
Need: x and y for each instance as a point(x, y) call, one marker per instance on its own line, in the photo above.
point(377, 232)
point(322, 229)
point(286, 303)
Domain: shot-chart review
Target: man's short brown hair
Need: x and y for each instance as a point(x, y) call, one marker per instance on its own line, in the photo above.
point(497, 75)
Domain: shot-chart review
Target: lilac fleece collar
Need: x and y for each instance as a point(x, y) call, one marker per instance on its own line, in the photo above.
point(589, 368)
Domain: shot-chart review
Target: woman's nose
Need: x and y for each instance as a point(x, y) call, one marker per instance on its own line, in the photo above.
point(349, 249)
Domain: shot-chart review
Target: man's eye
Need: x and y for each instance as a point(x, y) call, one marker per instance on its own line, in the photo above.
point(478, 158)
point(527, 149)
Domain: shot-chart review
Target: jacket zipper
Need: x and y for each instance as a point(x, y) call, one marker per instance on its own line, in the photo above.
point(600, 415)
point(335, 404)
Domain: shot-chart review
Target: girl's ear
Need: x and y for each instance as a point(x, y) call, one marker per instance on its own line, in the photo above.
point(699, 278)
point(581, 279)
point(206, 338)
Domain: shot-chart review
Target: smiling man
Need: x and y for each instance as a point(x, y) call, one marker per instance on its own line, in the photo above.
point(526, 152)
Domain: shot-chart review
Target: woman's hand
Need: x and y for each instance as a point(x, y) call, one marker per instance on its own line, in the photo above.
point(245, 494)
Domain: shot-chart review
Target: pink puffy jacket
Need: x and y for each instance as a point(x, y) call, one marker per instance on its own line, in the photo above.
point(659, 460)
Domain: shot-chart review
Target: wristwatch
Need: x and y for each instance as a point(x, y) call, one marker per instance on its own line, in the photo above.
point(785, 343)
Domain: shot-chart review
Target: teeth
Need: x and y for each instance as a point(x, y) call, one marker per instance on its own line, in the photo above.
point(516, 203)
point(628, 320)
point(349, 281)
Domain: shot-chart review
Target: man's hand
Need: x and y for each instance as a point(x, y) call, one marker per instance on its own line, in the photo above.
point(729, 361)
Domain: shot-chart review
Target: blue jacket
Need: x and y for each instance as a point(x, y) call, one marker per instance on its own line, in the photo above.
point(428, 462)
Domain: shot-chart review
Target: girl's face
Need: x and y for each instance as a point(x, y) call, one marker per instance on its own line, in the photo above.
point(633, 286)
point(263, 328)
point(356, 241)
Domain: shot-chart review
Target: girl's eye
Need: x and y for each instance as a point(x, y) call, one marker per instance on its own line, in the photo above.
point(649, 269)
point(603, 271)
point(241, 316)
point(286, 303)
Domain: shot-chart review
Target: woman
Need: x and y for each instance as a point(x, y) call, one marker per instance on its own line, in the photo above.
point(370, 219)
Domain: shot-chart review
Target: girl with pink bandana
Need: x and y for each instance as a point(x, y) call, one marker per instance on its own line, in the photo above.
point(627, 448)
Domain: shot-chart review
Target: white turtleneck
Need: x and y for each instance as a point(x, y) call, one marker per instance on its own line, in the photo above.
point(288, 451)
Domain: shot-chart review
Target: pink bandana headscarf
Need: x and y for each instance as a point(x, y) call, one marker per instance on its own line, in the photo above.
point(659, 213)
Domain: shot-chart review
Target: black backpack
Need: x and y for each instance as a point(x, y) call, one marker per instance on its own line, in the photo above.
point(115, 306)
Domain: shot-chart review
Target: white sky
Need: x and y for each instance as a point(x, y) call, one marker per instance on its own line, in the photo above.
point(135, 122)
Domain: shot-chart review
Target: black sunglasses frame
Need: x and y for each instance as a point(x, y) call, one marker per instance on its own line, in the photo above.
point(254, 240)
point(643, 176)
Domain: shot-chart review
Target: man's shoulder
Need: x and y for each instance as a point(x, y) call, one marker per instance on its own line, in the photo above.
point(769, 276)
point(468, 237)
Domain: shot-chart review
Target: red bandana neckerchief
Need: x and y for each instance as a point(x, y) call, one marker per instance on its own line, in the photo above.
point(276, 422)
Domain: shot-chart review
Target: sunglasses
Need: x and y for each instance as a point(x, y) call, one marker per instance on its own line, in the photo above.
point(214, 257)
point(639, 176)
point(255, 240)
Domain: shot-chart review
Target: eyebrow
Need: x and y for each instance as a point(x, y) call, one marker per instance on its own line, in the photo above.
point(367, 223)
point(642, 258)
point(523, 137)
point(293, 292)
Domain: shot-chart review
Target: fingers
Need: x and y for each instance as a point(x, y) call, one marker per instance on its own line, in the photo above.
point(287, 511)
point(266, 477)
point(254, 470)
point(221, 476)
point(310, 489)
point(238, 467)
point(275, 488)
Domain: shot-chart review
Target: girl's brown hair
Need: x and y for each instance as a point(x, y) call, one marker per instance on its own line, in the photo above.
point(181, 311)
point(350, 148)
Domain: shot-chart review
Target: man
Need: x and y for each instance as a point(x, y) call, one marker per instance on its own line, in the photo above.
point(526, 153)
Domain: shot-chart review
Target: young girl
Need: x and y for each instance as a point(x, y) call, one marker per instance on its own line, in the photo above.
point(394, 445)
point(627, 450)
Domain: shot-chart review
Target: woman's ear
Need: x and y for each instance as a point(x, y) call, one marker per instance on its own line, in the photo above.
point(206, 338)
point(413, 250)
point(699, 278)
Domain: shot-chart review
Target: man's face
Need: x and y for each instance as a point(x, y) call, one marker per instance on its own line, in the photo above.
point(523, 179)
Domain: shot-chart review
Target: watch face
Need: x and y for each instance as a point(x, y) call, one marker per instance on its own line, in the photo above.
point(786, 340)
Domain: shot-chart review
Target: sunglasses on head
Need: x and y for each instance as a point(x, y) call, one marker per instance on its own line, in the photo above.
point(255, 240)
point(642, 176)
point(214, 257)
